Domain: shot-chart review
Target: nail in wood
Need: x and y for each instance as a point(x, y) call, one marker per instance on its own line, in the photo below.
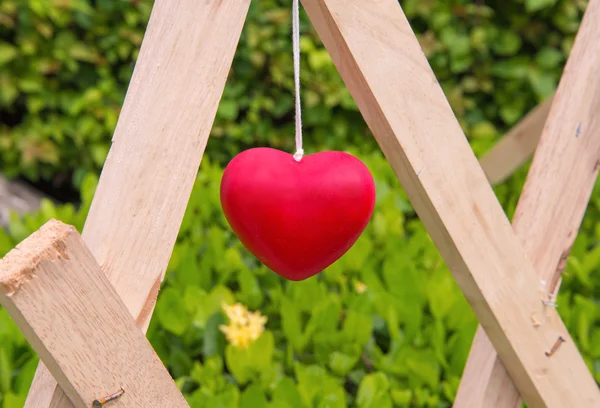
point(99, 403)
point(556, 346)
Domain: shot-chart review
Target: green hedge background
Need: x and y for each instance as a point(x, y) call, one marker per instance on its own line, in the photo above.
point(386, 326)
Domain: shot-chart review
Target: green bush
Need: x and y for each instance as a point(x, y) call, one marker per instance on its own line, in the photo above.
point(384, 326)
point(65, 67)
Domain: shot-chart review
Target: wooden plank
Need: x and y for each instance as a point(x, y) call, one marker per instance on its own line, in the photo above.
point(558, 187)
point(54, 290)
point(382, 64)
point(163, 129)
point(517, 146)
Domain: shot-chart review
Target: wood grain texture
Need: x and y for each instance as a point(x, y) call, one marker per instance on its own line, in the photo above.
point(550, 210)
point(54, 290)
point(516, 146)
point(383, 66)
point(160, 137)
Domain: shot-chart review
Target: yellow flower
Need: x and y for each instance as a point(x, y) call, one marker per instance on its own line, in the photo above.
point(360, 287)
point(237, 313)
point(244, 326)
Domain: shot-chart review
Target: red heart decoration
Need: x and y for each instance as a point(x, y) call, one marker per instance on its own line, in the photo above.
point(297, 218)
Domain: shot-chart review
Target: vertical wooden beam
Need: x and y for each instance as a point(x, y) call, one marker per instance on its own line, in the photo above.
point(382, 64)
point(517, 146)
point(52, 287)
point(553, 202)
point(161, 135)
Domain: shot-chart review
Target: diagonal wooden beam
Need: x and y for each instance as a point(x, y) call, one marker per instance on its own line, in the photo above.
point(553, 202)
point(163, 129)
point(381, 62)
point(52, 287)
point(517, 146)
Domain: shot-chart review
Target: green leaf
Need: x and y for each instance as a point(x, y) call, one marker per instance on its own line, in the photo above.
point(324, 318)
point(286, 395)
point(188, 272)
point(595, 344)
point(543, 84)
point(425, 368)
point(251, 294)
point(373, 392)
point(88, 187)
point(358, 327)
point(6, 243)
point(228, 109)
point(401, 398)
point(318, 389)
point(214, 339)
point(290, 319)
point(247, 363)
point(484, 130)
point(514, 68)
point(586, 312)
point(210, 376)
point(408, 285)
point(12, 400)
point(5, 372)
point(180, 362)
point(172, 312)
point(507, 43)
point(211, 303)
point(25, 376)
point(262, 351)
point(298, 291)
point(319, 59)
point(228, 399)
point(341, 363)
point(549, 58)
point(99, 153)
point(7, 53)
point(357, 256)
point(441, 293)
point(458, 349)
point(253, 397)
point(536, 5)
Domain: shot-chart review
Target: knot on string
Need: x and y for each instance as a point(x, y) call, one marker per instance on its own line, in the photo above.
point(298, 155)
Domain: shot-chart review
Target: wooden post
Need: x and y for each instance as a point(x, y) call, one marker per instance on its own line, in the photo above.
point(517, 146)
point(383, 66)
point(52, 287)
point(553, 202)
point(163, 129)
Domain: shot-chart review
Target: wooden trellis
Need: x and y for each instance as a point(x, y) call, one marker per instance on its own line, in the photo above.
point(78, 299)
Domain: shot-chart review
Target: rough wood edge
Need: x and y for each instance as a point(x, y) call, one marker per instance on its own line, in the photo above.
point(54, 290)
point(18, 266)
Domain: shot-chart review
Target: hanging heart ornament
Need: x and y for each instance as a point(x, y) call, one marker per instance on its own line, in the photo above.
point(297, 217)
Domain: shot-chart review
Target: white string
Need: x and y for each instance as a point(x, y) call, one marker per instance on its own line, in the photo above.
point(296, 46)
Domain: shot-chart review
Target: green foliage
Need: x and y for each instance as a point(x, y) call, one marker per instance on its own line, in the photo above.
point(384, 326)
point(65, 68)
